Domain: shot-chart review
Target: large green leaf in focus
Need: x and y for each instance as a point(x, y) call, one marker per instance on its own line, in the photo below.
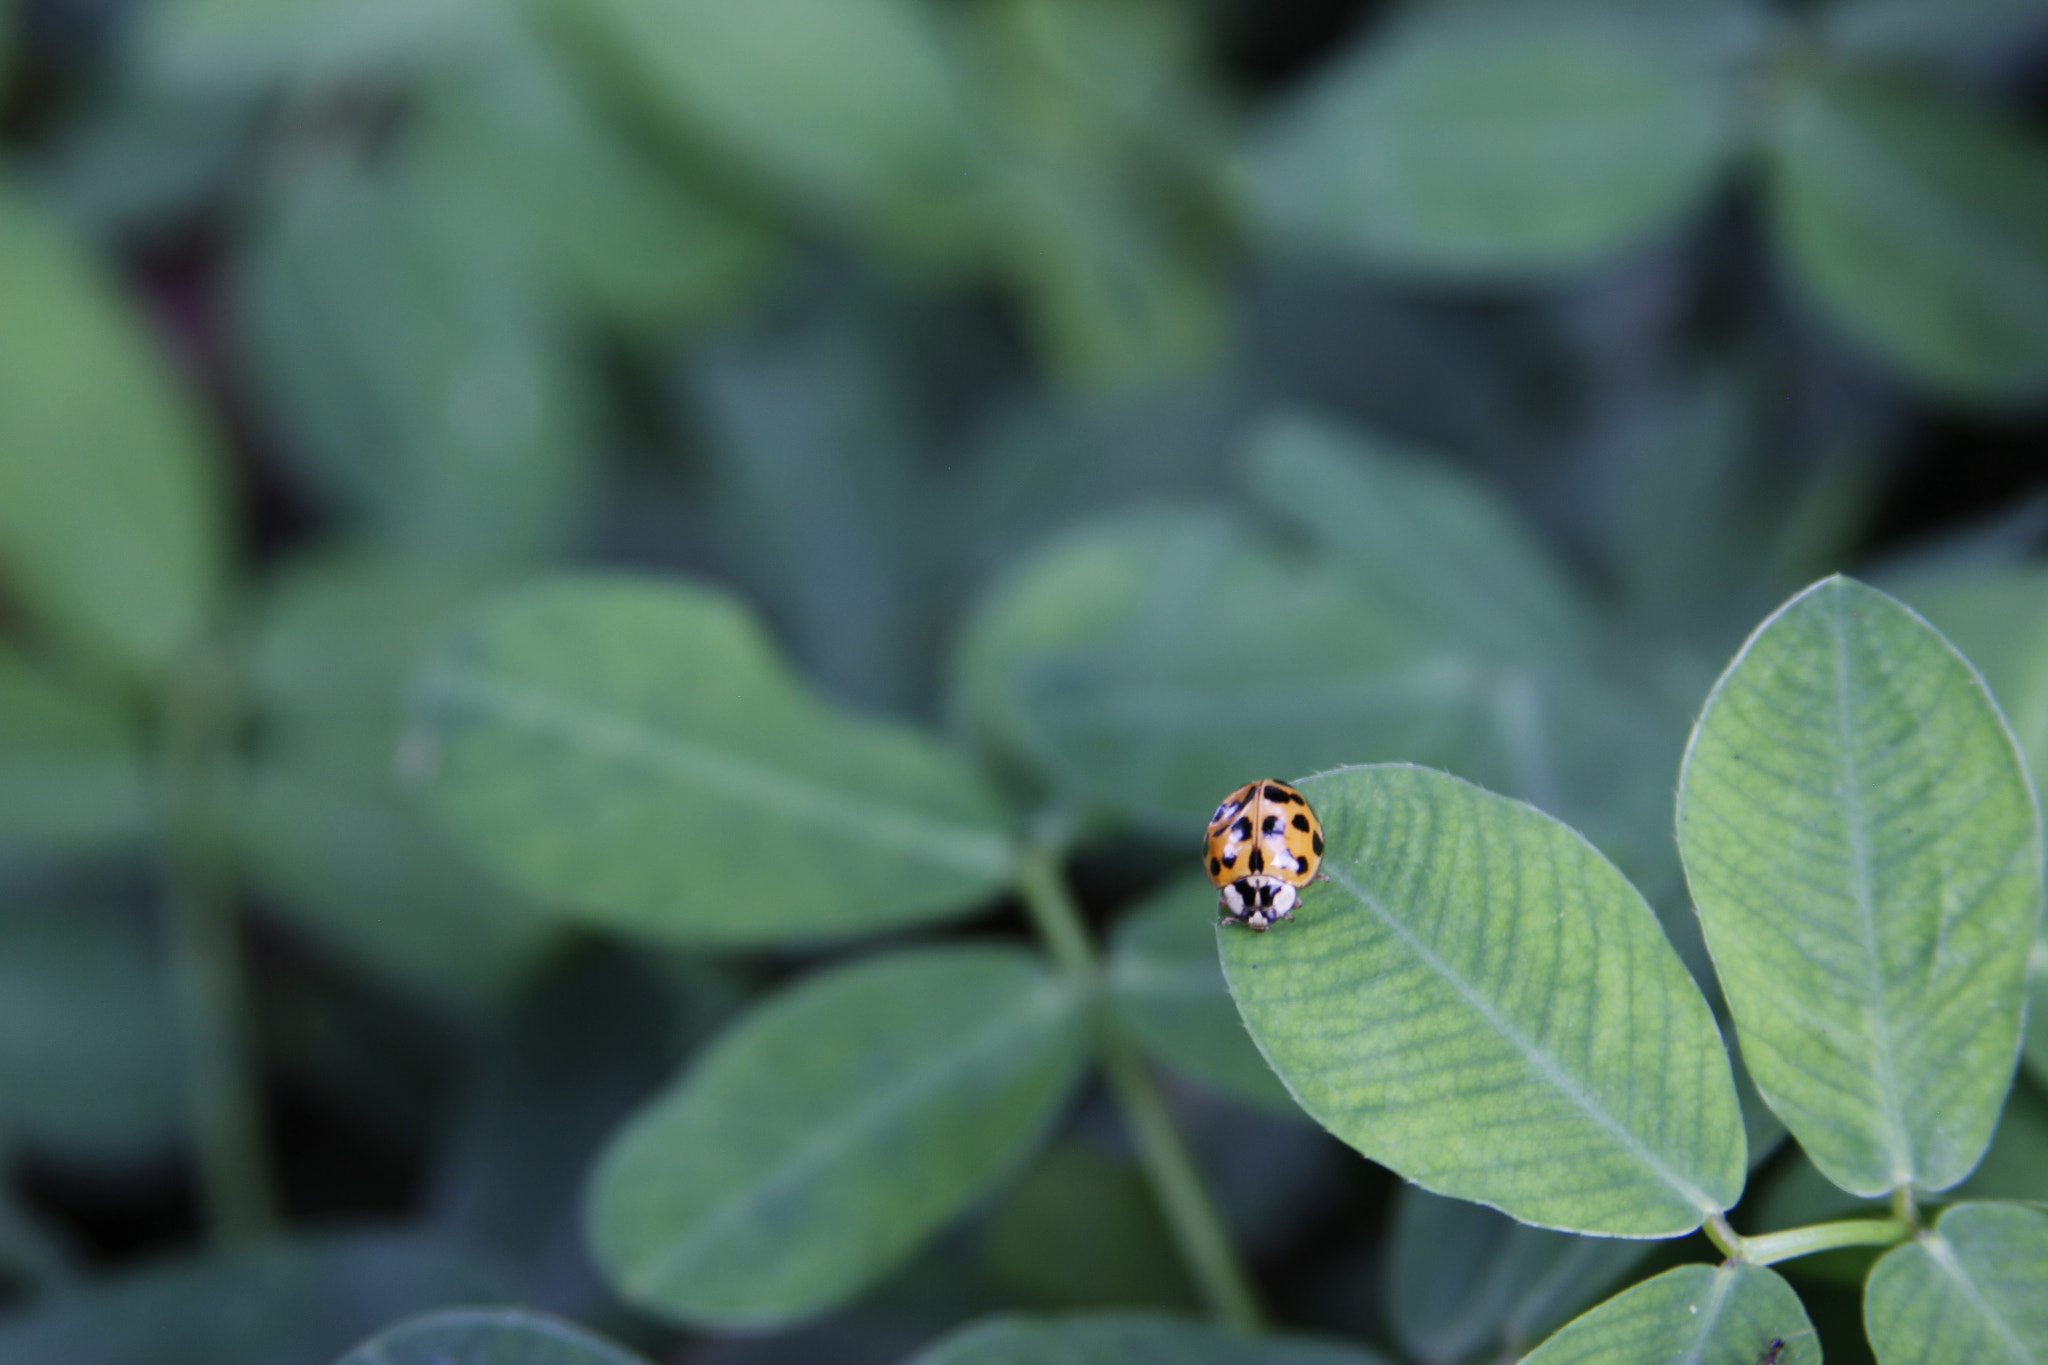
point(488, 1336)
point(1480, 1001)
point(634, 750)
point(853, 110)
point(1465, 1280)
point(812, 1148)
point(1729, 1314)
point(1997, 618)
point(290, 1302)
point(1507, 140)
point(72, 774)
point(88, 1061)
point(402, 351)
point(1865, 853)
point(1974, 1291)
point(1165, 985)
point(110, 507)
point(1919, 224)
point(1127, 1339)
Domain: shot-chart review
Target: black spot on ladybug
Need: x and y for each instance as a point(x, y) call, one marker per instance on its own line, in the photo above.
point(1231, 861)
point(1215, 866)
point(1272, 824)
point(1258, 862)
point(1279, 796)
point(1243, 828)
point(1301, 822)
point(1319, 845)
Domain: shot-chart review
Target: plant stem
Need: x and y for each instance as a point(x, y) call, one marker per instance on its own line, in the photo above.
point(1204, 1243)
point(203, 954)
point(1774, 1247)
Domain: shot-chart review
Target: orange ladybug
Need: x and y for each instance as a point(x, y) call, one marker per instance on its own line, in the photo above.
point(1265, 843)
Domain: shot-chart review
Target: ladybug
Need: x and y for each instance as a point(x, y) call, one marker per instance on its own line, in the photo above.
point(1265, 843)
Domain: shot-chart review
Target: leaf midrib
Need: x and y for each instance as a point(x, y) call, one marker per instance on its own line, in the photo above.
point(881, 1106)
point(1942, 1253)
point(857, 816)
point(1543, 1063)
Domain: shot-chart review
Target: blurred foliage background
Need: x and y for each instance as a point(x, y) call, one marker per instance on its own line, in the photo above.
point(321, 319)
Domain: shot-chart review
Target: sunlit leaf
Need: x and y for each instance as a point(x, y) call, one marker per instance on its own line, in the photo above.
point(488, 1336)
point(1411, 1008)
point(1865, 853)
point(812, 1148)
point(1167, 987)
point(1974, 1291)
point(1507, 140)
point(1731, 1314)
point(110, 510)
point(577, 732)
point(1919, 224)
point(1122, 1339)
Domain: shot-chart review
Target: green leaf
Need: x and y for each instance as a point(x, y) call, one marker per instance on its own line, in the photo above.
point(1867, 29)
point(1082, 1229)
point(1465, 1279)
point(398, 346)
point(622, 233)
point(1919, 224)
point(811, 1149)
point(488, 1336)
point(1865, 853)
point(2036, 1058)
point(1165, 984)
point(1973, 1290)
point(110, 507)
point(864, 120)
point(297, 1302)
point(1508, 140)
point(72, 775)
point(1414, 1009)
point(87, 1059)
point(262, 42)
point(577, 732)
point(1120, 1338)
point(1729, 1314)
point(1997, 619)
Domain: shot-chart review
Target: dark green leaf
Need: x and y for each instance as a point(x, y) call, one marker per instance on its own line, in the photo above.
point(1865, 853)
point(1508, 140)
point(300, 1302)
point(1412, 1009)
point(1919, 223)
point(1126, 1338)
point(487, 1336)
point(588, 735)
point(1695, 1315)
point(87, 1058)
point(72, 777)
point(1465, 1279)
point(392, 325)
point(1082, 1229)
point(1974, 1291)
point(110, 514)
point(1165, 984)
point(814, 1146)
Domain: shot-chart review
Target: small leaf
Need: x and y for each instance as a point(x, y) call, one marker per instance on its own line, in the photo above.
point(1122, 1338)
point(1165, 984)
point(291, 1302)
point(399, 347)
point(1508, 140)
point(1729, 1314)
point(1974, 1291)
point(1415, 1008)
point(488, 1336)
point(88, 1063)
point(110, 507)
point(1919, 224)
point(587, 736)
point(1866, 857)
point(72, 772)
point(811, 1149)
point(865, 119)
point(1465, 1279)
